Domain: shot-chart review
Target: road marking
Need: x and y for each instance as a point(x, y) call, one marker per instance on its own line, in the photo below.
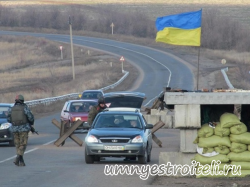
point(31, 150)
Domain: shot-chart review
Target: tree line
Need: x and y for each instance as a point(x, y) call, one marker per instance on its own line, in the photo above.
point(218, 32)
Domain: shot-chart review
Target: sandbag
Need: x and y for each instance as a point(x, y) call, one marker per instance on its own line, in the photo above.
point(201, 151)
point(229, 120)
point(196, 140)
point(244, 165)
point(239, 157)
point(241, 138)
point(214, 141)
point(207, 150)
point(244, 173)
point(238, 147)
point(238, 129)
point(219, 131)
point(208, 160)
point(222, 149)
point(205, 131)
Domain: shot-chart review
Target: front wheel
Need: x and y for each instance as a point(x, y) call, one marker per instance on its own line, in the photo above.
point(149, 156)
point(143, 159)
point(88, 158)
point(11, 143)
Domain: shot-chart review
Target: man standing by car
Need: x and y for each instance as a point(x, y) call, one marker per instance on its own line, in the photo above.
point(95, 110)
point(21, 118)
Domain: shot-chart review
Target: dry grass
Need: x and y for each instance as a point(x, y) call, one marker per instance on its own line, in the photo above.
point(238, 9)
point(36, 73)
point(213, 2)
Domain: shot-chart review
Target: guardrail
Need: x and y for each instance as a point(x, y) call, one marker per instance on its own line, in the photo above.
point(48, 101)
point(223, 71)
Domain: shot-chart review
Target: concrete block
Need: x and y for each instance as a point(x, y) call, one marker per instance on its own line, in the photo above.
point(152, 119)
point(187, 136)
point(207, 98)
point(168, 120)
point(154, 112)
point(175, 160)
point(187, 116)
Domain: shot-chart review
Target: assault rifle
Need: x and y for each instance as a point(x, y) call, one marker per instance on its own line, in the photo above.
point(33, 130)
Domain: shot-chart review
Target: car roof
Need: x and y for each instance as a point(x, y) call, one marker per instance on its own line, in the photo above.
point(92, 91)
point(79, 100)
point(120, 112)
point(123, 109)
point(6, 104)
point(125, 93)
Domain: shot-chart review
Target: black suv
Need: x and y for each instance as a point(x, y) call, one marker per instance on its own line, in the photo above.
point(124, 99)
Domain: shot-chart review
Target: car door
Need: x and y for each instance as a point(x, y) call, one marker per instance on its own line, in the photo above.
point(147, 133)
point(65, 115)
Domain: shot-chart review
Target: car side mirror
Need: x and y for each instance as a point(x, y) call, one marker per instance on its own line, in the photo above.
point(149, 126)
point(65, 111)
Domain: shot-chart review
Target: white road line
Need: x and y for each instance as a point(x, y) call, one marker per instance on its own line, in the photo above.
point(31, 150)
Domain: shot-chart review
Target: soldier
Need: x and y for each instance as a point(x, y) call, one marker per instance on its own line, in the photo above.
point(21, 119)
point(96, 109)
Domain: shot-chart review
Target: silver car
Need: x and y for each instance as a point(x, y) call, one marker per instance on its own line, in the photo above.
point(119, 133)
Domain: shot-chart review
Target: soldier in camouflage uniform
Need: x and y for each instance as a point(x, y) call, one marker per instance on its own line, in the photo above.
point(21, 118)
point(96, 109)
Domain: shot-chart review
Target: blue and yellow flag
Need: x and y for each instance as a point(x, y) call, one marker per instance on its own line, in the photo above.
point(180, 29)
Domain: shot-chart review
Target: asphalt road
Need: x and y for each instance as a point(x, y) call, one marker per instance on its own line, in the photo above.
point(159, 68)
point(48, 165)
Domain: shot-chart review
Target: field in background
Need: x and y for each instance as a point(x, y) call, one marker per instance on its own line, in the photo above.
point(33, 67)
point(237, 9)
point(238, 63)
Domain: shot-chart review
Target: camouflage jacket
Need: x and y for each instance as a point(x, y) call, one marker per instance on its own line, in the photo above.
point(25, 127)
point(93, 112)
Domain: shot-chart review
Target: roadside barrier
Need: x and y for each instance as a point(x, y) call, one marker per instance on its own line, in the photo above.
point(48, 101)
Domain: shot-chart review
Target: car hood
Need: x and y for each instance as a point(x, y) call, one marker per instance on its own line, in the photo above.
point(3, 120)
point(115, 132)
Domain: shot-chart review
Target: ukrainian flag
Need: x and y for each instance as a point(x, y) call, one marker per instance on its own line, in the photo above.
point(180, 29)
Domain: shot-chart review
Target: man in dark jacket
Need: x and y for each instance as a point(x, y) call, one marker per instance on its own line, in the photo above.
point(21, 118)
point(96, 109)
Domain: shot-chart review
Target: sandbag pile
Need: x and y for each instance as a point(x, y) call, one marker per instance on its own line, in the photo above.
point(228, 142)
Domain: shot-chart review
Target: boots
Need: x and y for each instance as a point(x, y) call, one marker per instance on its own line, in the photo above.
point(21, 161)
point(16, 162)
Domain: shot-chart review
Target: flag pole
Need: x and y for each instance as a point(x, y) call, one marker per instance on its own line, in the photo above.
point(198, 68)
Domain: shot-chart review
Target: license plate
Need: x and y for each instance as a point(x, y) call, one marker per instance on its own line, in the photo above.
point(114, 148)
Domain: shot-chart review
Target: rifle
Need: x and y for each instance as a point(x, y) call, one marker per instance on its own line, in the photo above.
point(33, 130)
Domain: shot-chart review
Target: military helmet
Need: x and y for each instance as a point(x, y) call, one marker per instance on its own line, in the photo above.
point(101, 100)
point(19, 98)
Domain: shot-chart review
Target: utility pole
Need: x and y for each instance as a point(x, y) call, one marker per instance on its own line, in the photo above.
point(72, 51)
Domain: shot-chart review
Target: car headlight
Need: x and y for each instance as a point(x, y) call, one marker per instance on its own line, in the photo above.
point(5, 126)
point(137, 139)
point(92, 139)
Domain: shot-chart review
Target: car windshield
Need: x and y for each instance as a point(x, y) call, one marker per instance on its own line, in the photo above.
point(91, 95)
point(118, 121)
point(4, 111)
point(81, 106)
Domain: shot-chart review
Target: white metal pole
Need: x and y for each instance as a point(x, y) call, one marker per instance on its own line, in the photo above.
point(122, 66)
point(72, 51)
